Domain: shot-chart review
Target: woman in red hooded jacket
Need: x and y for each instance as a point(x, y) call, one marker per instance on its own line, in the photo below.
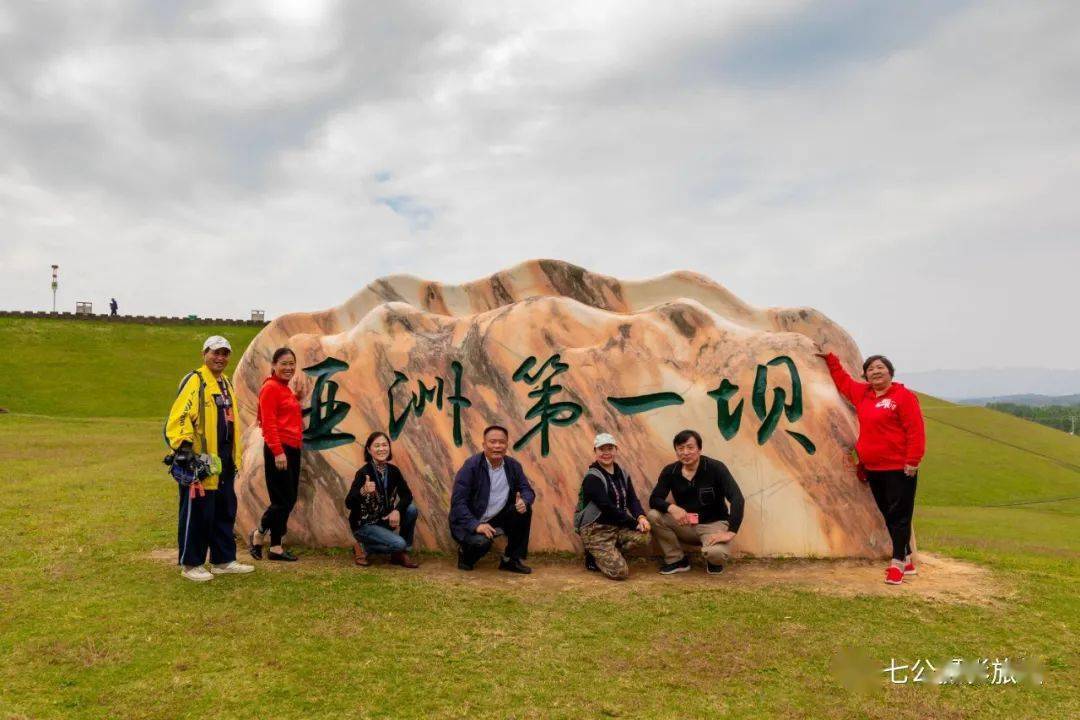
point(891, 444)
point(283, 437)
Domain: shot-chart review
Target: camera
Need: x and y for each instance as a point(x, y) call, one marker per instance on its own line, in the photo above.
point(186, 467)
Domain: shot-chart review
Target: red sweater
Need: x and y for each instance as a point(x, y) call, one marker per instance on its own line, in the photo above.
point(280, 416)
point(891, 433)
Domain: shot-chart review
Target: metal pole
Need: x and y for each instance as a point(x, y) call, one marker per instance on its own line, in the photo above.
point(55, 268)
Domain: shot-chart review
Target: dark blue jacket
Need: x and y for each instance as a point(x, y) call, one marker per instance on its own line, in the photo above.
point(472, 485)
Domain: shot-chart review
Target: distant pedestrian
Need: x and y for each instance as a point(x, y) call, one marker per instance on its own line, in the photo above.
point(282, 425)
point(891, 444)
point(113, 307)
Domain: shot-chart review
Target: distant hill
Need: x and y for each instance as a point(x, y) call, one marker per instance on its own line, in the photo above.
point(1028, 400)
point(993, 382)
point(1060, 417)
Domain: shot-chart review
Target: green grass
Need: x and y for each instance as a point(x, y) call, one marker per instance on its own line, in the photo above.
point(978, 456)
point(94, 368)
point(92, 627)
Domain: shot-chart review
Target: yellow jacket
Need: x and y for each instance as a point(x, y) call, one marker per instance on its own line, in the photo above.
point(183, 422)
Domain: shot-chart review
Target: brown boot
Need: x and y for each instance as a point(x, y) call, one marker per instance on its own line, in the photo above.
point(359, 556)
point(402, 558)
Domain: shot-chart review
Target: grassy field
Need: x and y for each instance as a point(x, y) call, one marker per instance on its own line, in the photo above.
point(92, 625)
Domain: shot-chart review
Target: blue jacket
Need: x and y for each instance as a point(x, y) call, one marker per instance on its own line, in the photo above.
point(472, 485)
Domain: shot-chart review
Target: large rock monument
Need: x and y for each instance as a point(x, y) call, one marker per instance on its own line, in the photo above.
point(557, 354)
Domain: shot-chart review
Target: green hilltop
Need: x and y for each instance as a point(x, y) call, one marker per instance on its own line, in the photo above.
point(97, 368)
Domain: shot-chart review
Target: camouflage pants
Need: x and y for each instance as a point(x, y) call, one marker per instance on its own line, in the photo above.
point(605, 543)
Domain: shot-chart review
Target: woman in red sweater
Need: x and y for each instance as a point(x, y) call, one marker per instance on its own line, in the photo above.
point(891, 444)
point(283, 436)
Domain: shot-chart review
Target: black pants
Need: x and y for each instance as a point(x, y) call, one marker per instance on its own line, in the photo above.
point(516, 526)
point(207, 522)
point(894, 493)
point(282, 486)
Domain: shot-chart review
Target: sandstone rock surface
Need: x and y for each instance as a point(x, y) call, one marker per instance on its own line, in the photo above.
point(641, 360)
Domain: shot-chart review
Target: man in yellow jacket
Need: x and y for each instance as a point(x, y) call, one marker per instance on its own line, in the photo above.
point(203, 431)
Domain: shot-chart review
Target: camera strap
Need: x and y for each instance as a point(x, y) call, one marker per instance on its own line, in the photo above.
point(200, 425)
point(202, 411)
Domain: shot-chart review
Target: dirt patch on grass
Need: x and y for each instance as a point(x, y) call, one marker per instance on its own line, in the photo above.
point(939, 578)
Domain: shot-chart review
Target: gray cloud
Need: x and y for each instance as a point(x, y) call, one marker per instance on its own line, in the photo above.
point(904, 168)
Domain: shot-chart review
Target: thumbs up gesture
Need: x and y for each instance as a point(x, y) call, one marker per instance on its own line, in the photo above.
point(519, 504)
point(368, 487)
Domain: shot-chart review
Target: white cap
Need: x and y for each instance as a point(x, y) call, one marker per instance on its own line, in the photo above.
point(604, 439)
point(216, 342)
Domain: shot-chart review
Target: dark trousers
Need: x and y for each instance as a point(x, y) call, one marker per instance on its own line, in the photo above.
point(207, 522)
point(894, 493)
point(281, 486)
point(516, 526)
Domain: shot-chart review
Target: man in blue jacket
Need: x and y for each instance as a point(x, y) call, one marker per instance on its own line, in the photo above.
point(492, 495)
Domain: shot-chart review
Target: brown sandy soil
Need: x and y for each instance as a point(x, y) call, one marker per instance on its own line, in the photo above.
point(939, 578)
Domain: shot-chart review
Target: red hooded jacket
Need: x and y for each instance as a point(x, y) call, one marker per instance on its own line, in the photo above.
point(280, 415)
point(891, 432)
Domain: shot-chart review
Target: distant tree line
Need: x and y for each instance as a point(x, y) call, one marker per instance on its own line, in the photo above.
point(1059, 417)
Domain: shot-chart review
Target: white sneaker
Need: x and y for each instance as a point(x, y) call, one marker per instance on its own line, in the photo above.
point(196, 574)
point(232, 568)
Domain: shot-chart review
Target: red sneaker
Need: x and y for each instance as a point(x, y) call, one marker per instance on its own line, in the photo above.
point(909, 569)
point(894, 575)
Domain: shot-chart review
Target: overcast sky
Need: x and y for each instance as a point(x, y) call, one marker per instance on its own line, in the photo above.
point(911, 169)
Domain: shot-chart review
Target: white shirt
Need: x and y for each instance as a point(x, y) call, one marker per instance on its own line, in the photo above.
point(500, 490)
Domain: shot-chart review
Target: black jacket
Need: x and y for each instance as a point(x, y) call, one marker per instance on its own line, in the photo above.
point(605, 495)
point(472, 485)
point(704, 495)
point(370, 509)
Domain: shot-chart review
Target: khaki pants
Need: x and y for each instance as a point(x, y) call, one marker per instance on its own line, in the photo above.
point(669, 534)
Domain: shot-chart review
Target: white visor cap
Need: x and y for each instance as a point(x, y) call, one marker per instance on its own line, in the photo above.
point(604, 439)
point(216, 342)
